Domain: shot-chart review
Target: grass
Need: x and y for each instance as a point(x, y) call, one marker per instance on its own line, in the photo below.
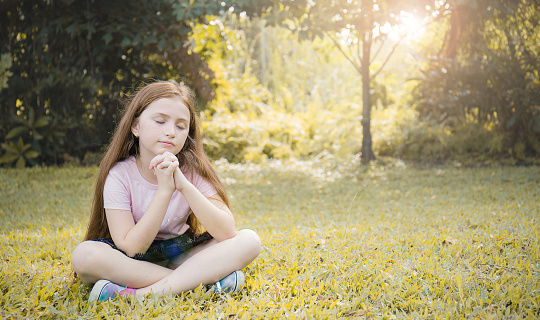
point(339, 242)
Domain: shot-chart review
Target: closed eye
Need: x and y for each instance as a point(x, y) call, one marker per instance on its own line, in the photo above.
point(160, 122)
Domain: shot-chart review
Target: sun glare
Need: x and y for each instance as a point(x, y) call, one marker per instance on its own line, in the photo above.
point(410, 28)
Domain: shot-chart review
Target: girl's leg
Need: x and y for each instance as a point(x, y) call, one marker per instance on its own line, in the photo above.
point(209, 263)
point(94, 260)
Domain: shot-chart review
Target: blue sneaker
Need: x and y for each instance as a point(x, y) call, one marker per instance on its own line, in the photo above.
point(231, 283)
point(104, 290)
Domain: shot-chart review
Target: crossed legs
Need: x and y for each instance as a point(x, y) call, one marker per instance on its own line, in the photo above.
point(206, 264)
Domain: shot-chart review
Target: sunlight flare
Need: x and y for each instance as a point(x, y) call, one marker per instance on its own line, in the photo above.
point(410, 27)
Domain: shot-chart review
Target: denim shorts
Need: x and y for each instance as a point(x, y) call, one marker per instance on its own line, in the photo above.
point(164, 251)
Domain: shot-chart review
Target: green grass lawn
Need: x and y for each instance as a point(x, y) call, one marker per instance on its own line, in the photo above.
point(385, 242)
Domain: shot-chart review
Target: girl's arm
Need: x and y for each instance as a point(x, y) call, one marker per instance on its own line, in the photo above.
point(211, 212)
point(135, 238)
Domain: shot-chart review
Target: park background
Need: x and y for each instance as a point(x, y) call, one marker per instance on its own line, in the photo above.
point(386, 151)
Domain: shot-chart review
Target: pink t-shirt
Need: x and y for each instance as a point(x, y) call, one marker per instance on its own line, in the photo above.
point(126, 189)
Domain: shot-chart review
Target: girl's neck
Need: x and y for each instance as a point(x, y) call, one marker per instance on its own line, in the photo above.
point(142, 166)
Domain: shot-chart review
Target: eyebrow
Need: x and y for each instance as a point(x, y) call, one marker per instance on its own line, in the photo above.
point(164, 115)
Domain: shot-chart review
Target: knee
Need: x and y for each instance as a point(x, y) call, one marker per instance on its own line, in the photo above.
point(84, 256)
point(251, 241)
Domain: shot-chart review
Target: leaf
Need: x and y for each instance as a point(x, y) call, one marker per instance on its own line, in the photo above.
point(42, 122)
point(20, 120)
point(8, 157)
point(161, 44)
point(31, 154)
point(15, 132)
point(72, 29)
point(20, 163)
point(37, 135)
point(21, 147)
point(149, 40)
point(513, 120)
point(10, 147)
point(125, 42)
point(449, 240)
point(356, 313)
point(107, 38)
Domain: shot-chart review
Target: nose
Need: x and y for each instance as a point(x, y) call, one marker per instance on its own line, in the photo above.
point(170, 130)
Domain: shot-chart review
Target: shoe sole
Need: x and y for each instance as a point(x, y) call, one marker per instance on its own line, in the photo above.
point(96, 290)
point(239, 281)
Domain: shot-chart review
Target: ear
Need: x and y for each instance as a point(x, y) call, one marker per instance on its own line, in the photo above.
point(135, 128)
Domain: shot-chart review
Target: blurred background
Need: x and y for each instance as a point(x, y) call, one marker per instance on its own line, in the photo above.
point(418, 80)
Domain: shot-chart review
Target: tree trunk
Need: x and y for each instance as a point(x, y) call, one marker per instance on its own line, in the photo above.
point(367, 151)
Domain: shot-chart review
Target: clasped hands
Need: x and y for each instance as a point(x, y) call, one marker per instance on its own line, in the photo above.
point(167, 171)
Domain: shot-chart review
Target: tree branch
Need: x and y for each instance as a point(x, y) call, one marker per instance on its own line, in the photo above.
point(387, 58)
point(351, 53)
point(336, 43)
point(378, 50)
point(358, 53)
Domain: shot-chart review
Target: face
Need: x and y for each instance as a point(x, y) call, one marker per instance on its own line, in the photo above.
point(162, 126)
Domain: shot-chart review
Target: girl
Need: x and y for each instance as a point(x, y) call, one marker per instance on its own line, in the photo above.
point(160, 219)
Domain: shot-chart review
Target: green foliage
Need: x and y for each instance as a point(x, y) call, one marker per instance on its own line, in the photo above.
point(280, 108)
point(18, 153)
point(29, 126)
point(489, 79)
point(5, 65)
point(44, 134)
point(430, 141)
point(339, 242)
point(74, 62)
point(275, 135)
point(354, 27)
point(68, 67)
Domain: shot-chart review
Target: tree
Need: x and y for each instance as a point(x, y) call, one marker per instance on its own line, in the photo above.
point(72, 60)
point(355, 27)
point(486, 73)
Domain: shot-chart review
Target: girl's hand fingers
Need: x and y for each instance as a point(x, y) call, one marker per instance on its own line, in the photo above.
point(155, 161)
point(166, 164)
point(162, 157)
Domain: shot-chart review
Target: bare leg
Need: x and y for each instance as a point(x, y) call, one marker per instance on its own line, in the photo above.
point(210, 264)
point(207, 264)
point(94, 260)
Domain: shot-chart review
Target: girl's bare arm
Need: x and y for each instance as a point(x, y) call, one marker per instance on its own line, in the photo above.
point(211, 212)
point(135, 238)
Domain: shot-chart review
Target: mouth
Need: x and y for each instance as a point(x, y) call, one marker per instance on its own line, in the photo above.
point(166, 144)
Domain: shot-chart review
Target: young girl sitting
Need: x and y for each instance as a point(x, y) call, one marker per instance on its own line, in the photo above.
point(160, 219)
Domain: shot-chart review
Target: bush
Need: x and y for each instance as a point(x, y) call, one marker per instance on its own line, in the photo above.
point(426, 140)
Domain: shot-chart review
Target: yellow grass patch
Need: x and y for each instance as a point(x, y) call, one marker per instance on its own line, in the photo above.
point(339, 242)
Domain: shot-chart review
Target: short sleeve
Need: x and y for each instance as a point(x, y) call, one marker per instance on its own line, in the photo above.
point(115, 193)
point(204, 187)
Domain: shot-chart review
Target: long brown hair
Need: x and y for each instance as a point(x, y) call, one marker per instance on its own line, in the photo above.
point(124, 144)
